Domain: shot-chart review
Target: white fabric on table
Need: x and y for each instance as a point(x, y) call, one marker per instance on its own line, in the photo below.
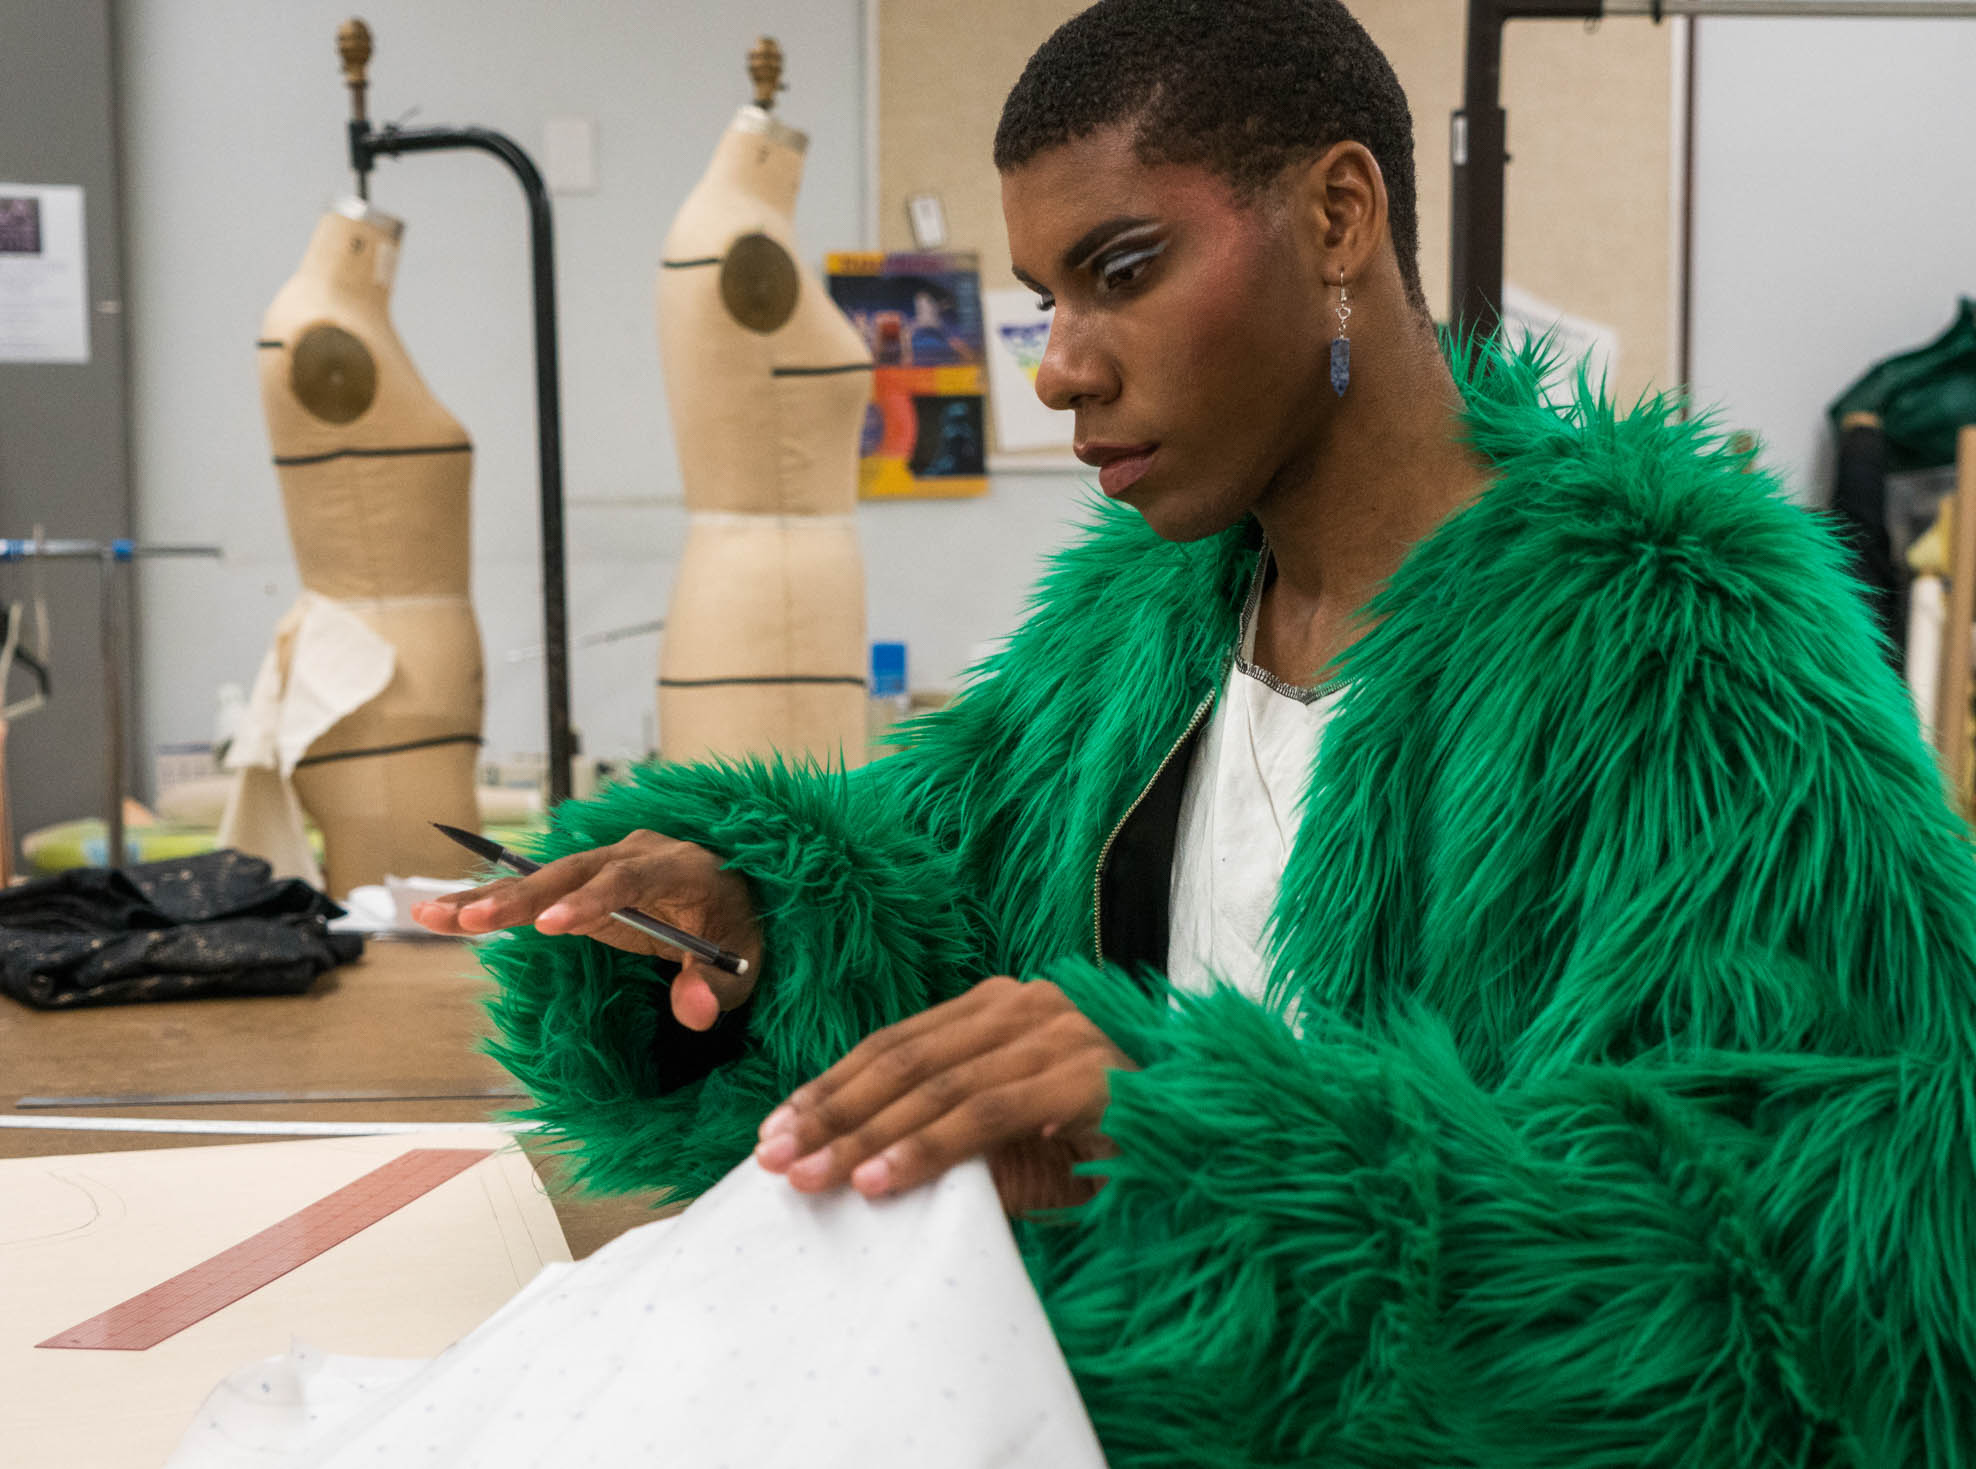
point(760, 1328)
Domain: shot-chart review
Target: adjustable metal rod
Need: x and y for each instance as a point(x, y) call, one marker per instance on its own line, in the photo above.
point(22, 548)
point(113, 714)
point(1479, 132)
point(107, 555)
point(365, 146)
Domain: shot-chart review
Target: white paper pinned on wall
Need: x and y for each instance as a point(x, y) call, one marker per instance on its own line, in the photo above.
point(1016, 335)
point(1576, 339)
point(44, 274)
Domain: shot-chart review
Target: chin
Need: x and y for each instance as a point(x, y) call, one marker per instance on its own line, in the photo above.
point(1182, 519)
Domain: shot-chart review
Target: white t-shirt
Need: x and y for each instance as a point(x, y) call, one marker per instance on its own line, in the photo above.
point(1238, 817)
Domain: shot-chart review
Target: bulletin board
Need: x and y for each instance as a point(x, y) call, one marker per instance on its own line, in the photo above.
point(1591, 200)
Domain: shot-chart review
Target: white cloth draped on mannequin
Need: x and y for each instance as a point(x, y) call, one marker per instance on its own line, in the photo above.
point(324, 663)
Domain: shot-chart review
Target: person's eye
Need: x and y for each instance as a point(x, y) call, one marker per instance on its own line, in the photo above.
point(1126, 269)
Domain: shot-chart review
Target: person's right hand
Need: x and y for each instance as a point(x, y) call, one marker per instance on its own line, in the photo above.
point(675, 881)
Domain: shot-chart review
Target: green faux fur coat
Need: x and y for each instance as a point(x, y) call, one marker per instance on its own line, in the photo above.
point(1634, 1119)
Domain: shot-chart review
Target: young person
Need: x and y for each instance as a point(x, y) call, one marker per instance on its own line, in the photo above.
point(1443, 887)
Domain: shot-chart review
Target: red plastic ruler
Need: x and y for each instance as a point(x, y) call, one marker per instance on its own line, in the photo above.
point(165, 1310)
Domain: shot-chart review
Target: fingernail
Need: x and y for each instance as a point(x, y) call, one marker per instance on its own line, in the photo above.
point(554, 913)
point(778, 1152)
point(813, 1169)
point(873, 1176)
point(780, 1120)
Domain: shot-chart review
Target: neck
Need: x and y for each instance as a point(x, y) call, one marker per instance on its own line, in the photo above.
point(759, 157)
point(1386, 470)
point(354, 252)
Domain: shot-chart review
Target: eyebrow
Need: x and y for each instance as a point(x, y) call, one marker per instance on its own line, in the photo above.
point(1088, 243)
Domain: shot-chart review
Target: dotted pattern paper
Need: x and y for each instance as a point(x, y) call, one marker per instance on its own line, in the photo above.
point(193, 1295)
point(760, 1328)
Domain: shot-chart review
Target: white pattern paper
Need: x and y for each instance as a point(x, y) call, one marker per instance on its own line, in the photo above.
point(762, 1327)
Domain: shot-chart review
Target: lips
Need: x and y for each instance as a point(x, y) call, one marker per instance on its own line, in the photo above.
point(1119, 466)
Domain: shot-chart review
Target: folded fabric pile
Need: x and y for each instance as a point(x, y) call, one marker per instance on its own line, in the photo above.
point(215, 924)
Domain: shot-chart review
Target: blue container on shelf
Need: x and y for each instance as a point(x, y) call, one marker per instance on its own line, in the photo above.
point(888, 670)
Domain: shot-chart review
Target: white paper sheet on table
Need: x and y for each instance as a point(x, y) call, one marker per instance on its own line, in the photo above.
point(81, 1232)
point(760, 1328)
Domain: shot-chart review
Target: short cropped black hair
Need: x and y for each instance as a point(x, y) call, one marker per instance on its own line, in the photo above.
point(1242, 87)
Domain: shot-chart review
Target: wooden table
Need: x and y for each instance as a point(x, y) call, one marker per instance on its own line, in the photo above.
point(407, 1017)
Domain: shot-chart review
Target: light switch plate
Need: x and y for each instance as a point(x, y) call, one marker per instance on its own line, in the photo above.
point(929, 221)
point(569, 155)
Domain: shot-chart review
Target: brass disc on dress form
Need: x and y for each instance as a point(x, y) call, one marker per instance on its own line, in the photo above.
point(758, 283)
point(333, 374)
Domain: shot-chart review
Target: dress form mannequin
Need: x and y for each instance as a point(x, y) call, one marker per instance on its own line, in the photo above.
point(765, 637)
point(374, 478)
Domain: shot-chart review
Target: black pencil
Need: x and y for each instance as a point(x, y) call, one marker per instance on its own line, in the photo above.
point(665, 933)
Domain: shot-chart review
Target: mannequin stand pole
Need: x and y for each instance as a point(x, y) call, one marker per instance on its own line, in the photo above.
point(365, 146)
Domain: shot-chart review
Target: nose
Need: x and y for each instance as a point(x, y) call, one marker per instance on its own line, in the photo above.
point(1074, 367)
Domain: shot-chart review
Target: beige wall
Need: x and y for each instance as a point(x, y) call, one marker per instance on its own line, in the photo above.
point(1588, 209)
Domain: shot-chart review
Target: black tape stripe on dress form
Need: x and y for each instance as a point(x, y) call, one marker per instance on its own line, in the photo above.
point(324, 759)
point(689, 264)
point(715, 683)
point(266, 343)
point(293, 459)
point(821, 371)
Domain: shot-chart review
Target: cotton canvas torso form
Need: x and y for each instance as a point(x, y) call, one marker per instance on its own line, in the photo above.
point(765, 627)
point(1633, 1118)
point(374, 475)
point(1238, 817)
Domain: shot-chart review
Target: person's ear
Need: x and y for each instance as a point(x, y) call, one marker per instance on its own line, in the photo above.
point(1340, 201)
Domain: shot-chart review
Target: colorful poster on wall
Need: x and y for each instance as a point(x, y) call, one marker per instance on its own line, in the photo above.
point(1017, 335)
point(925, 431)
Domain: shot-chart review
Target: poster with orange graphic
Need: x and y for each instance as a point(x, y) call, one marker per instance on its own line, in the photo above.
point(925, 432)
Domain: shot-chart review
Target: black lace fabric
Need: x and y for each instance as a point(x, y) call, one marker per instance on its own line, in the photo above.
point(215, 924)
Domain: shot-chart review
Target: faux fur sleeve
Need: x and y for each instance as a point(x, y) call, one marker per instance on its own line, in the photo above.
point(867, 917)
point(1345, 1249)
point(881, 892)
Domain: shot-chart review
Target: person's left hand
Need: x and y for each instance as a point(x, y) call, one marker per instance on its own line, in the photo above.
point(1009, 1070)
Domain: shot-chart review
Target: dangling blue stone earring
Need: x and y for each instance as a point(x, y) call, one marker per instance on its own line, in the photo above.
point(1341, 346)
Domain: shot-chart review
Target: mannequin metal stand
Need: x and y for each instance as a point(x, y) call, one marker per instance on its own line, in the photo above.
point(108, 555)
point(1477, 140)
point(366, 144)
